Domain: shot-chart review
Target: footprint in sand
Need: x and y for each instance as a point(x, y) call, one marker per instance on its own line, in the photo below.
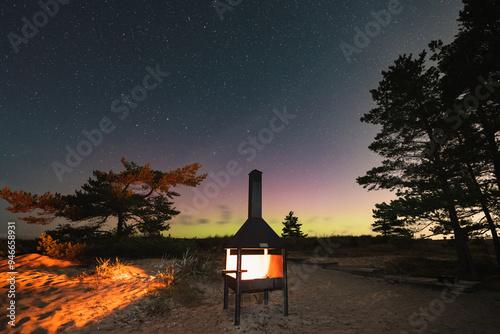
point(49, 282)
point(40, 330)
point(63, 327)
point(22, 321)
point(58, 282)
point(39, 303)
point(52, 289)
point(49, 291)
point(3, 324)
point(46, 315)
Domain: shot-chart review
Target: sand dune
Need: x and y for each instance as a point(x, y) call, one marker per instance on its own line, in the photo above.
point(53, 298)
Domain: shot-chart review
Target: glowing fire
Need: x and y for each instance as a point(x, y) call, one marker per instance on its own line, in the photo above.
point(256, 265)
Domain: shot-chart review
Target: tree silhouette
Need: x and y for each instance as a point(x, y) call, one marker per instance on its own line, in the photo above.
point(409, 108)
point(139, 198)
point(471, 91)
point(292, 227)
point(387, 222)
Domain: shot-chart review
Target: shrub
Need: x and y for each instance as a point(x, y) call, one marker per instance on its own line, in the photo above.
point(167, 277)
point(106, 268)
point(68, 232)
point(61, 250)
point(402, 242)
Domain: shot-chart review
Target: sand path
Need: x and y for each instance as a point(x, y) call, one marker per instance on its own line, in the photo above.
point(320, 301)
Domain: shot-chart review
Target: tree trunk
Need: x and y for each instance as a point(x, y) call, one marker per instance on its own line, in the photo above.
point(484, 206)
point(493, 229)
point(483, 200)
point(464, 257)
point(119, 226)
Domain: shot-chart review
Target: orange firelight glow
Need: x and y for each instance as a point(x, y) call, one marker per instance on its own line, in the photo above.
point(256, 265)
point(54, 299)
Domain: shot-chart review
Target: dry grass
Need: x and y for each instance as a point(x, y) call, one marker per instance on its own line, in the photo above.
point(178, 283)
point(109, 269)
point(61, 250)
point(166, 277)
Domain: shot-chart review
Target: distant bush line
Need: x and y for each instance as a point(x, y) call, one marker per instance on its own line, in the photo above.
point(158, 247)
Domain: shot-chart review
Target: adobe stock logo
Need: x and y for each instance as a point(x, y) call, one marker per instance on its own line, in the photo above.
point(372, 29)
point(221, 7)
point(121, 107)
point(468, 103)
point(40, 19)
point(248, 148)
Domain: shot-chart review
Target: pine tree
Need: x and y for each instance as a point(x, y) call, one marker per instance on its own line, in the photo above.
point(292, 227)
point(139, 198)
point(471, 92)
point(416, 162)
point(387, 222)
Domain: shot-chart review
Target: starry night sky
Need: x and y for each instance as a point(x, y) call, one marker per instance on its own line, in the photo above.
point(228, 81)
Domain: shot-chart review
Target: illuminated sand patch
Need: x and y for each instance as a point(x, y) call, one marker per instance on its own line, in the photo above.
point(51, 295)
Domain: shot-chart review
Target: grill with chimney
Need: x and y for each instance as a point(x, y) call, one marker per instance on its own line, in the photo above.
point(256, 255)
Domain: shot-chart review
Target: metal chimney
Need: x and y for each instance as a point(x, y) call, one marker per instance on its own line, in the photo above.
point(255, 194)
point(255, 232)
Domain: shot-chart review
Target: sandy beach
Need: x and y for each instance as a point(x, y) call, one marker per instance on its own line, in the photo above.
point(53, 296)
